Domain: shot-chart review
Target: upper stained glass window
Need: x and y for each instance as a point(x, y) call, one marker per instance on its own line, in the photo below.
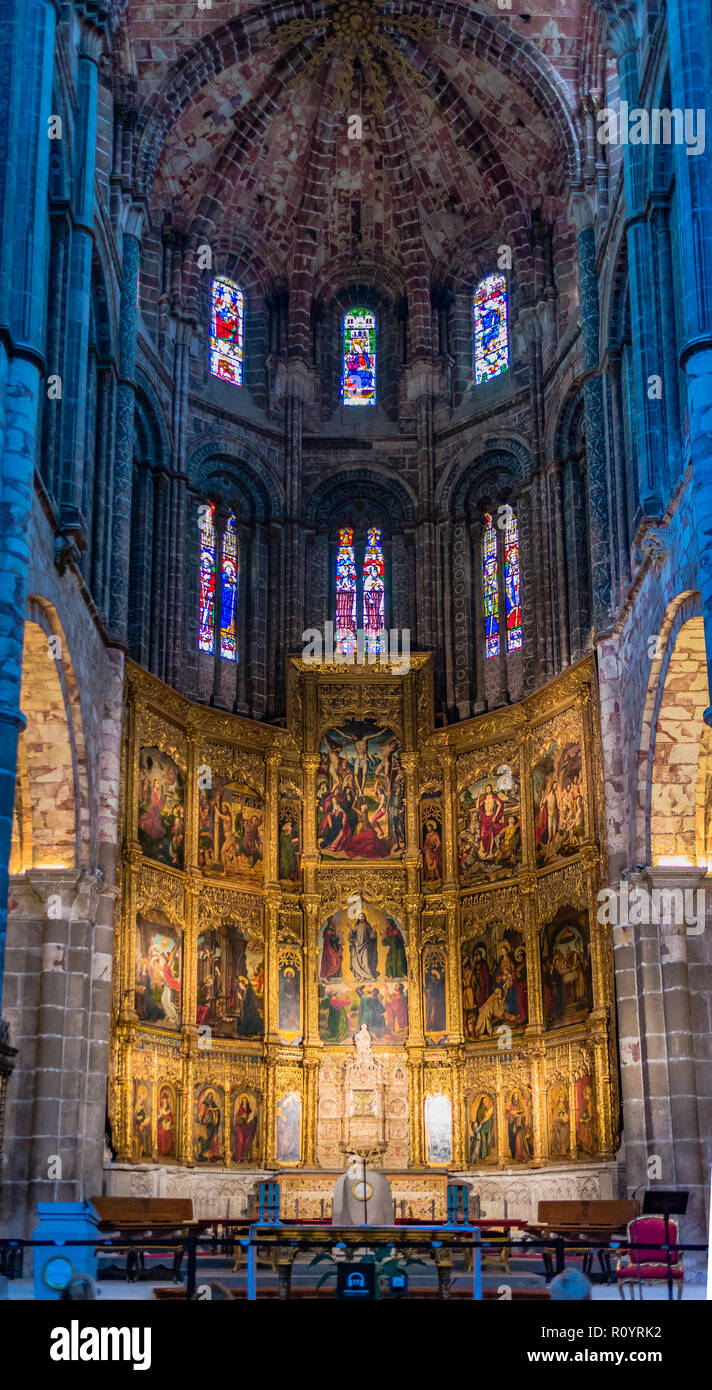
point(358, 372)
point(374, 591)
point(489, 587)
point(227, 329)
point(491, 333)
point(228, 603)
point(345, 636)
point(206, 634)
point(512, 590)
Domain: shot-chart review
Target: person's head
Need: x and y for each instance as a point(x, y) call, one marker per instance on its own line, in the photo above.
point(79, 1287)
point(571, 1284)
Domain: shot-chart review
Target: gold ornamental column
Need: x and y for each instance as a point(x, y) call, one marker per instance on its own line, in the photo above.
point(449, 820)
point(270, 1110)
point(274, 760)
point(538, 1081)
point(311, 1102)
point(458, 1128)
point(590, 860)
point(126, 943)
point(272, 903)
point(603, 1089)
point(527, 884)
point(454, 970)
point(192, 782)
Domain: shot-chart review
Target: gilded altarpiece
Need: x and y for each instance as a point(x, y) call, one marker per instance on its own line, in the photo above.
point(284, 888)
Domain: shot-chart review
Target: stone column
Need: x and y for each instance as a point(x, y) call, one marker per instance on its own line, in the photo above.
point(617, 449)
point(478, 627)
point(554, 472)
point(78, 307)
point(220, 518)
point(125, 402)
point(691, 84)
point(502, 693)
point(178, 506)
point(27, 56)
point(582, 214)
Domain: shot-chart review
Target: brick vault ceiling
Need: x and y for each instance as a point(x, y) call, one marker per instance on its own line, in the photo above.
point(236, 142)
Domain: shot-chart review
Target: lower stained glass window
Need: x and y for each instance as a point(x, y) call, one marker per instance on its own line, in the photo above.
point(206, 632)
point(489, 586)
point(374, 591)
point(345, 636)
point(228, 604)
point(512, 589)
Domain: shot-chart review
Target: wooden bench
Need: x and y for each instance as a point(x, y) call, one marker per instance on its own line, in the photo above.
point(151, 1217)
point(594, 1222)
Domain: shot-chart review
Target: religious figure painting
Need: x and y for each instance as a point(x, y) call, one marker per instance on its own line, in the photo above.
point(518, 1119)
point(289, 986)
point(244, 1131)
point(482, 1128)
point(586, 1116)
point(557, 781)
point(142, 1121)
point(230, 818)
point(166, 1122)
point(435, 991)
point(566, 968)
point(289, 1127)
point(208, 1124)
point(489, 843)
point(438, 1130)
point(289, 840)
point(360, 793)
point(559, 1120)
point(431, 841)
point(161, 808)
point(363, 975)
point(158, 970)
point(494, 983)
point(230, 1000)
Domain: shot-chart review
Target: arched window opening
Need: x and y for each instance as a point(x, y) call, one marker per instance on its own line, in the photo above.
point(374, 591)
point(345, 636)
point(489, 307)
point(227, 330)
point(489, 588)
point(512, 588)
point(358, 371)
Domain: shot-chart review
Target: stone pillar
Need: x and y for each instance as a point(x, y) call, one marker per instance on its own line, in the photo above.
point(502, 694)
point(27, 55)
point(220, 518)
point(178, 506)
point(582, 214)
point(78, 307)
point(125, 401)
point(478, 628)
point(691, 89)
point(617, 451)
point(554, 472)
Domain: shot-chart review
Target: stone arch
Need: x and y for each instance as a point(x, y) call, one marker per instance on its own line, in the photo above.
point(51, 822)
point(232, 470)
point(672, 739)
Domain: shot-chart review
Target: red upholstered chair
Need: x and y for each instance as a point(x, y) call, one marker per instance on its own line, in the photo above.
point(645, 1264)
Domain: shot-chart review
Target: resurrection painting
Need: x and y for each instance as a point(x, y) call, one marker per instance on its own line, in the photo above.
point(489, 843)
point(230, 818)
point(230, 983)
point(158, 970)
point(431, 841)
point(208, 1124)
point(289, 1127)
point(559, 816)
point(494, 982)
point(161, 808)
point(438, 1130)
point(363, 976)
point(566, 968)
point(482, 1129)
point(360, 789)
point(244, 1130)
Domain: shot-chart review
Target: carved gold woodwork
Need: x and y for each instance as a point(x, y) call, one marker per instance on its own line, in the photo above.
point(279, 763)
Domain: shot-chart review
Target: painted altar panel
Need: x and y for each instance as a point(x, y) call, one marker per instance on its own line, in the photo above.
point(431, 841)
point(230, 820)
point(289, 995)
point(209, 1124)
point(494, 982)
point(246, 1128)
point(363, 976)
point(167, 1121)
point(435, 991)
point(566, 968)
point(290, 839)
point(289, 1128)
point(438, 1130)
point(360, 789)
point(519, 1121)
point(230, 999)
point(158, 974)
point(559, 1119)
point(558, 794)
point(489, 842)
point(481, 1111)
point(142, 1146)
point(161, 808)
point(586, 1112)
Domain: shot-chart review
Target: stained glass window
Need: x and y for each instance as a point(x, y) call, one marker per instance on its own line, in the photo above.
point(228, 603)
point(374, 591)
point(512, 589)
point(206, 634)
point(227, 327)
point(358, 375)
point(345, 636)
point(489, 585)
point(491, 333)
